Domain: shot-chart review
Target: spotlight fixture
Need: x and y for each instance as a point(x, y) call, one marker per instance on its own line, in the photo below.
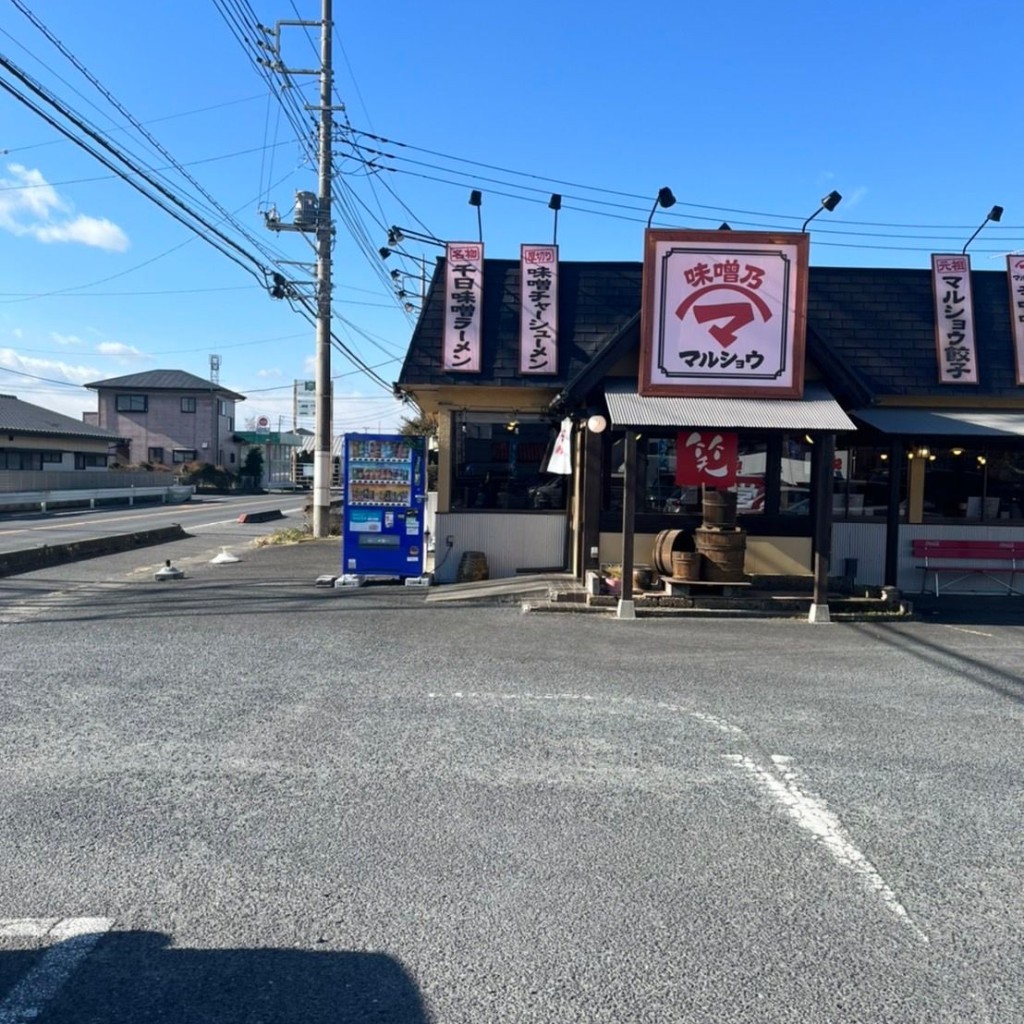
point(665, 199)
point(555, 203)
point(995, 215)
point(829, 202)
point(476, 199)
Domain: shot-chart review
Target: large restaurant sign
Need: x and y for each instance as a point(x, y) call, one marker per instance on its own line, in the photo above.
point(464, 289)
point(724, 314)
point(538, 312)
point(1015, 272)
point(954, 319)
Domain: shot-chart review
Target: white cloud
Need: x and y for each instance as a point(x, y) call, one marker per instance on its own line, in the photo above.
point(65, 339)
point(855, 196)
point(269, 374)
point(30, 206)
point(13, 360)
point(120, 352)
point(97, 232)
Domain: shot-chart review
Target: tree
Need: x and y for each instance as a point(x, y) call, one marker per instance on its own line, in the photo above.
point(424, 424)
point(253, 465)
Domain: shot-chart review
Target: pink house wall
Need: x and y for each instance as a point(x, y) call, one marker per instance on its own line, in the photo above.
point(164, 425)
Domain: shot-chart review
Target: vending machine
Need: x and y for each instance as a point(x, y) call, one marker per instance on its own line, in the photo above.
point(384, 484)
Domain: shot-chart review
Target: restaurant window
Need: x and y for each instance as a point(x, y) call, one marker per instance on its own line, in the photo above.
point(860, 483)
point(751, 477)
point(1004, 485)
point(795, 475)
point(971, 483)
point(132, 403)
point(497, 460)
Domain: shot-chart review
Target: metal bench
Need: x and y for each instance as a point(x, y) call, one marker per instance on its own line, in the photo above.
point(994, 559)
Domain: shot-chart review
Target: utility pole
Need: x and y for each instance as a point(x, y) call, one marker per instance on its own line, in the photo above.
point(320, 222)
point(322, 451)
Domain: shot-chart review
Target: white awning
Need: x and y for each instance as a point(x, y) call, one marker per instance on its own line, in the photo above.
point(943, 422)
point(816, 411)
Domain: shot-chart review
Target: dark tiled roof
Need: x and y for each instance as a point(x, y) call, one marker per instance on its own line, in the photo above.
point(880, 326)
point(22, 418)
point(163, 380)
point(594, 301)
point(871, 331)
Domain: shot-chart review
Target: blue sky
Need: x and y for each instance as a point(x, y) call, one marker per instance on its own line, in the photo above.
point(750, 112)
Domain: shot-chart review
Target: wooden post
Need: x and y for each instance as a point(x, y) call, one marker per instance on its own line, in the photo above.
point(892, 514)
point(821, 479)
point(626, 608)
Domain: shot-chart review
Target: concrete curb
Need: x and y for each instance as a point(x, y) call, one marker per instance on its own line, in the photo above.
point(14, 562)
point(261, 517)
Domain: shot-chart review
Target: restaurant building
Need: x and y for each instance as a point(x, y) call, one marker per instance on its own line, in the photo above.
point(850, 410)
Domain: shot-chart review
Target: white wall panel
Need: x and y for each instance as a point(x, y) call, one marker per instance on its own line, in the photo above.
point(510, 541)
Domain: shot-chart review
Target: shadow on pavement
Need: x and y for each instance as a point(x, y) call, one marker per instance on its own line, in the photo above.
point(969, 609)
point(138, 976)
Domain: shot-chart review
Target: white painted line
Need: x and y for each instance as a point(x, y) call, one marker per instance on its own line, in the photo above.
point(812, 814)
point(74, 938)
point(26, 927)
point(973, 632)
point(718, 723)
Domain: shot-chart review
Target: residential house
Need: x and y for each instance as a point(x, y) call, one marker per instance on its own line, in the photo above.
point(169, 418)
point(36, 439)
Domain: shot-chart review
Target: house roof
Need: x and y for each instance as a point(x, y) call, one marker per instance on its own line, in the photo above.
point(943, 422)
point(163, 380)
point(870, 332)
point(816, 410)
point(19, 417)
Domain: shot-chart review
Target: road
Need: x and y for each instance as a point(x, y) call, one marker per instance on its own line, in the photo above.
point(240, 797)
point(205, 513)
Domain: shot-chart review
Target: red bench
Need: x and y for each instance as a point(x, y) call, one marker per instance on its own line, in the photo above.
point(995, 559)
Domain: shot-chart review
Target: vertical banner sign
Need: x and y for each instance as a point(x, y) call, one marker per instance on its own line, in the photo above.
point(724, 314)
point(1015, 272)
point(560, 459)
point(708, 458)
point(538, 309)
point(464, 290)
point(954, 319)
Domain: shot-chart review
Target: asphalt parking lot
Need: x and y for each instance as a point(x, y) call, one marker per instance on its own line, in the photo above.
point(239, 796)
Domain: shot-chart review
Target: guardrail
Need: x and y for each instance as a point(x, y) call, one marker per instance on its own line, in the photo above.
point(46, 501)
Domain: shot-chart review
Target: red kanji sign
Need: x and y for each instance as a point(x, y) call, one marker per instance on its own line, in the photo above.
point(708, 458)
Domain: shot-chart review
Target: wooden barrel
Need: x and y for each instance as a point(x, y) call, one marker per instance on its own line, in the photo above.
point(667, 542)
point(686, 565)
point(723, 554)
point(472, 566)
point(719, 509)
